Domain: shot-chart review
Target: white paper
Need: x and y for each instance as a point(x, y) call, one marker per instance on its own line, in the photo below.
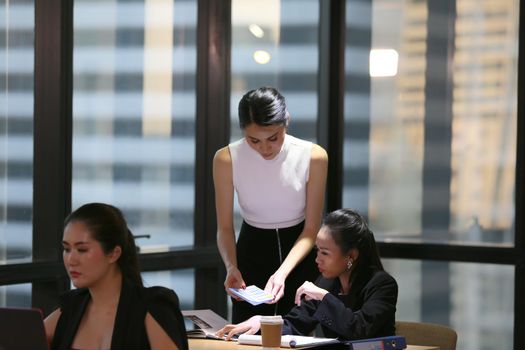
point(287, 341)
point(252, 294)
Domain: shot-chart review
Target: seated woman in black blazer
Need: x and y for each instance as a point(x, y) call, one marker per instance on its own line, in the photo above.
point(110, 309)
point(354, 298)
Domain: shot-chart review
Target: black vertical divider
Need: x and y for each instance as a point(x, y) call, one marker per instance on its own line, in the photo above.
point(519, 272)
point(52, 139)
point(213, 132)
point(330, 120)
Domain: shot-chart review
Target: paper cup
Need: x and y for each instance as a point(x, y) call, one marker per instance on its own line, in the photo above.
point(271, 330)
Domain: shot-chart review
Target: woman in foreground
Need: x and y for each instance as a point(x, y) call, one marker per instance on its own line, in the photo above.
point(354, 298)
point(110, 309)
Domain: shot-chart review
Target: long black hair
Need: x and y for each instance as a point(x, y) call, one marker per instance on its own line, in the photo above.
point(350, 231)
point(107, 225)
point(264, 106)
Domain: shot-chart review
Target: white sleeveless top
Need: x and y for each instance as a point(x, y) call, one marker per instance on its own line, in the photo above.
point(271, 193)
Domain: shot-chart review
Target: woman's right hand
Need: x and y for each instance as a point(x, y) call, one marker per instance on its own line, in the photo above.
point(250, 326)
point(233, 280)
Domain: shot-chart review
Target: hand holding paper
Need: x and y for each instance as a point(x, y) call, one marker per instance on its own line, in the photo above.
point(275, 287)
point(252, 294)
point(233, 280)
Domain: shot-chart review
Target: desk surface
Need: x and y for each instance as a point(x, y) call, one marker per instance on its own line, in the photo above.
point(210, 344)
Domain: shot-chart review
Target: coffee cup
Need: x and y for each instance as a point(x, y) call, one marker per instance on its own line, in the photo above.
point(271, 330)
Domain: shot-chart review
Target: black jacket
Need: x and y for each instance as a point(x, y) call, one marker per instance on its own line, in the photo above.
point(367, 311)
point(129, 331)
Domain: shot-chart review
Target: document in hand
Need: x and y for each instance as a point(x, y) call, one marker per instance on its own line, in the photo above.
point(252, 294)
point(207, 321)
point(292, 341)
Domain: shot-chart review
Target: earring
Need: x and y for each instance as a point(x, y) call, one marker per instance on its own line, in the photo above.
point(349, 264)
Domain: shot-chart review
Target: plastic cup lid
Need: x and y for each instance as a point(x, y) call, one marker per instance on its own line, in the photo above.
point(271, 319)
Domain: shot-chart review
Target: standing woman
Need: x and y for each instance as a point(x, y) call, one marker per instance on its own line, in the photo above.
point(110, 309)
point(280, 183)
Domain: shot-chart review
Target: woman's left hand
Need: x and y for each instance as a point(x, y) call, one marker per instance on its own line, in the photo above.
point(275, 286)
point(310, 291)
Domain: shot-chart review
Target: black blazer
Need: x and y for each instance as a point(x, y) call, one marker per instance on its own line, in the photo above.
point(367, 311)
point(129, 331)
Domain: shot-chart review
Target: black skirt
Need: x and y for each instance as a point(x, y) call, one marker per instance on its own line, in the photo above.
point(260, 252)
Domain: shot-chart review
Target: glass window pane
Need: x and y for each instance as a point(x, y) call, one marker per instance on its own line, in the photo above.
point(17, 26)
point(16, 295)
point(274, 43)
point(181, 281)
point(476, 300)
point(134, 114)
point(430, 118)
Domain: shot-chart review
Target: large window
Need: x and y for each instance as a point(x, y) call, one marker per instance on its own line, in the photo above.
point(16, 129)
point(134, 114)
point(16, 140)
point(134, 120)
point(429, 150)
point(430, 115)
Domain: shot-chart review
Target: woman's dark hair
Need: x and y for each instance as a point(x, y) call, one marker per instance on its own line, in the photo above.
point(107, 225)
point(350, 231)
point(264, 106)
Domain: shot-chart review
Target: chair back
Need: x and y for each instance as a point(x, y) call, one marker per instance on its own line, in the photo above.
point(418, 333)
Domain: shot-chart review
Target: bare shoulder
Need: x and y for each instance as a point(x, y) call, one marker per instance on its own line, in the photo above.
point(222, 156)
point(319, 154)
point(222, 166)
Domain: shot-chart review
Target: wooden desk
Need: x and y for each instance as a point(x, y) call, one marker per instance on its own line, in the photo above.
point(210, 344)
